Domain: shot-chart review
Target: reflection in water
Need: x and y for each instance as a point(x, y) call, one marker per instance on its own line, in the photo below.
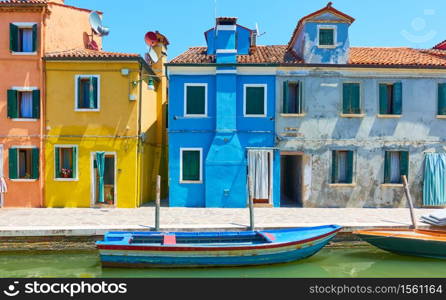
point(330, 262)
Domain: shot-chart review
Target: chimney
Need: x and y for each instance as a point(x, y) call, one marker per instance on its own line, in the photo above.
point(225, 39)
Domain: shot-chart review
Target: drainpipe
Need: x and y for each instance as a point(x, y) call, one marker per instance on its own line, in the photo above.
point(42, 107)
point(139, 147)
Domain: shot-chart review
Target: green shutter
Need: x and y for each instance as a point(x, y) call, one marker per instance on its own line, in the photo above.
point(191, 165)
point(195, 100)
point(36, 104)
point(12, 104)
point(13, 38)
point(74, 160)
point(57, 168)
point(285, 98)
point(334, 167)
point(35, 163)
point(349, 167)
point(351, 102)
point(35, 38)
point(300, 99)
point(383, 99)
point(79, 93)
point(356, 98)
point(442, 99)
point(387, 165)
point(346, 98)
point(326, 37)
point(404, 163)
point(255, 101)
point(93, 94)
point(397, 98)
point(13, 168)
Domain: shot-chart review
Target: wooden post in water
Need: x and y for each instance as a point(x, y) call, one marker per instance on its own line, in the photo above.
point(409, 200)
point(157, 203)
point(251, 204)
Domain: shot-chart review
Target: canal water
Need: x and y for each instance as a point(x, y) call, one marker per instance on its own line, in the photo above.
point(329, 262)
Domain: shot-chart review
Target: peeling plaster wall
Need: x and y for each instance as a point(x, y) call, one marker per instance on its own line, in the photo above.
point(322, 130)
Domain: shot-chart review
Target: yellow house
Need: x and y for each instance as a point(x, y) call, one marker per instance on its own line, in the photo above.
point(105, 128)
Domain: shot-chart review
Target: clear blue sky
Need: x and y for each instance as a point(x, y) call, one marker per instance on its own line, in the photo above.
point(409, 23)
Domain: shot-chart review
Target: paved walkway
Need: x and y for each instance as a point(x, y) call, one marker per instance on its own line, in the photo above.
point(90, 221)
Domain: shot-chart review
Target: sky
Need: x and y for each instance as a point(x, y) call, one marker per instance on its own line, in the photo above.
point(379, 23)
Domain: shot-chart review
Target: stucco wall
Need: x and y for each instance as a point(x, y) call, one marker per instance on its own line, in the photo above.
point(322, 130)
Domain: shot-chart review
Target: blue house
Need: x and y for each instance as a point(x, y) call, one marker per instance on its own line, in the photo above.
point(222, 123)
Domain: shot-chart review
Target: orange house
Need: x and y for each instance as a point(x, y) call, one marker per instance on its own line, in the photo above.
point(28, 30)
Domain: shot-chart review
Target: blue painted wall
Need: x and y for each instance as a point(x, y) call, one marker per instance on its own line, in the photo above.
point(242, 40)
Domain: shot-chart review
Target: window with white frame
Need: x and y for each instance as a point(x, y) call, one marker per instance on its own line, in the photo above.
point(195, 99)
point(65, 162)
point(87, 92)
point(254, 102)
point(191, 165)
point(24, 163)
point(326, 36)
point(23, 37)
point(23, 103)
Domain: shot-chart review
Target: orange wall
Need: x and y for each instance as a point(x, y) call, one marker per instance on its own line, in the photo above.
point(18, 70)
point(67, 28)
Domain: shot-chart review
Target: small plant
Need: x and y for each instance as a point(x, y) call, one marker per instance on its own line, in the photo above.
point(109, 197)
point(66, 173)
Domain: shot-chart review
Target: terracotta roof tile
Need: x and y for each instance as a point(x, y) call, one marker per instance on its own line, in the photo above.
point(88, 54)
point(23, 2)
point(441, 45)
point(278, 54)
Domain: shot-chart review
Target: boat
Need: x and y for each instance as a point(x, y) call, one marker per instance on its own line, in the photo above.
point(212, 249)
point(416, 242)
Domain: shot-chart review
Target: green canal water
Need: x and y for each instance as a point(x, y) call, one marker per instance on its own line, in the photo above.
point(330, 262)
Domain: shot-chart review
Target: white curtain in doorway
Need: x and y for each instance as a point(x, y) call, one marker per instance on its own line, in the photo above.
point(259, 162)
point(3, 188)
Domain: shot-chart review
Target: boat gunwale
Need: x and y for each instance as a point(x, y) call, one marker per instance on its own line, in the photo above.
point(428, 235)
point(195, 248)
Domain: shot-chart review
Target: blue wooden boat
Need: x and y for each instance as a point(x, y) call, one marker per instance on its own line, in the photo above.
point(415, 242)
point(211, 249)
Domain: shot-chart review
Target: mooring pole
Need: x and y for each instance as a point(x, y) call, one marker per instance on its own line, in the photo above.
point(251, 204)
point(157, 203)
point(409, 200)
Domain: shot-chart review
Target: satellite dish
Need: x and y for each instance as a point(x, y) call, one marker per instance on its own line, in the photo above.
point(153, 56)
point(96, 24)
point(151, 38)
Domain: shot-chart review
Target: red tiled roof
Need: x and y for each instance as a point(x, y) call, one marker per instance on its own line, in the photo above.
point(278, 54)
point(89, 54)
point(14, 2)
point(328, 8)
point(441, 45)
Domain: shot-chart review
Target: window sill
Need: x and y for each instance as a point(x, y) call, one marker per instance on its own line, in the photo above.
point(352, 115)
point(195, 116)
point(191, 182)
point(392, 185)
point(327, 46)
point(342, 185)
point(24, 120)
point(86, 110)
point(440, 116)
point(23, 53)
point(262, 205)
point(292, 115)
point(254, 116)
point(389, 116)
point(23, 180)
point(66, 179)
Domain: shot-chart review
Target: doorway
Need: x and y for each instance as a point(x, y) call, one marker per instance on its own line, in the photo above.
point(104, 179)
point(291, 179)
point(260, 170)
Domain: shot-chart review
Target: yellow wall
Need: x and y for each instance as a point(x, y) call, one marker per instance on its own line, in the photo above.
point(113, 129)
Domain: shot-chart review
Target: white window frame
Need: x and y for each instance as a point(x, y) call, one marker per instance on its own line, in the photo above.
point(24, 89)
point(186, 115)
point(74, 167)
point(265, 98)
point(200, 181)
point(438, 116)
point(22, 25)
point(335, 36)
point(76, 90)
point(18, 163)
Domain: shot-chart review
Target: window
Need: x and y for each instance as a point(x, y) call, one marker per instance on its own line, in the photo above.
point(351, 99)
point(23, 37)
point(87, 92)
point(24, 163)
point(396, 164)
point(326, 36)
point(255, 100)
point(65, 162)
point(195, 100)
point(442, 99)
point(292, 97)
point(191, 165)
point(23, 104)
point(342, 167)
point(390, 99)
